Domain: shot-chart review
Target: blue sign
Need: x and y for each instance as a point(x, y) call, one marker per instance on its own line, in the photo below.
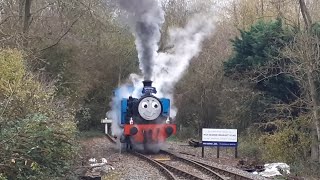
point(222, 144)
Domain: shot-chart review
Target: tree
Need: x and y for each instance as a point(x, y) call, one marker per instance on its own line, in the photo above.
point(304, 54)
point(257, 58)
point(200, 96)
point(307, 55)
point(79, 45)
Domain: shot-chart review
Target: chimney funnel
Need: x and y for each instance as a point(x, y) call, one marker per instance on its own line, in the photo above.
point(147, 88)
point(147, 83)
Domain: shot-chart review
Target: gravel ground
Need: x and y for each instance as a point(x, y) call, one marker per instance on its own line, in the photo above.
point(130, 167)
point(225, 161)
point(190, 169)
point(126, 166)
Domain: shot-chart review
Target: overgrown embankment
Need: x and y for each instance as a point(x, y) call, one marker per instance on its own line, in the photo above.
point(37, 129)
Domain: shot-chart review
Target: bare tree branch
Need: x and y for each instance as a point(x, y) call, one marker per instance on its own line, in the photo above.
point(64, 34)
point(37, 11)
point(5, 20)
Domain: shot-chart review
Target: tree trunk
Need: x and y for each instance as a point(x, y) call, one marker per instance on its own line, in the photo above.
point(278, 7)
point(26, 21)
point(315, 149)
point(236, 21)
point(21, 6)
point(119, 76)
point(314, 146)
point(298, 17)
point(305, 14)
point(262, 8)
point(314, 105)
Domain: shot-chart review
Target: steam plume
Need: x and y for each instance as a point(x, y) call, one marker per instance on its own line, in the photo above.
point(169, 67)
point(146, 18)
point(165, 69)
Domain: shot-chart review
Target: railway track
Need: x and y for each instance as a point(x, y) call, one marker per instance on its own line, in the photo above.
point(188, 169)
point(111, 139)
point(176, 167)
point(225, 174)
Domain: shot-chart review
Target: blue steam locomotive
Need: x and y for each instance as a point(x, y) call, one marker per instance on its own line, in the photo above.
point(146, 120)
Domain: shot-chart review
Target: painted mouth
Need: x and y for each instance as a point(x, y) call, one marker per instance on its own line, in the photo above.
point(148, 114)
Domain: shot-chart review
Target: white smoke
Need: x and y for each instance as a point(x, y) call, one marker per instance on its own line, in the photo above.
point(115, 113)
point(165, 68)
point(169, 67)
point(145, 18)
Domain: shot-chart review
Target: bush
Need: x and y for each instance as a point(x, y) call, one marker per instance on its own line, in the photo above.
point(12, 71)
point(290, 144)
point(37, 130)
point(83, 117)
point(2, 177)
point(248, 147)
point(307, 169)
point(286, 146)
point(187, 132)
point(37, 147)
point(91, 134)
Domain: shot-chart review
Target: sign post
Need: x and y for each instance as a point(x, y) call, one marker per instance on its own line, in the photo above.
point(202, 151)
point(218, 138)
point(107, 126)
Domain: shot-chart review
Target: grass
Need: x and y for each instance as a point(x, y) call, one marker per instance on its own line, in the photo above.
point(172, 138)
point(111, 176)
point(90, 134)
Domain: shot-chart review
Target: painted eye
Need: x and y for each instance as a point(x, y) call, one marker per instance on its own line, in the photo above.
point(155, 105)
point(144, 105)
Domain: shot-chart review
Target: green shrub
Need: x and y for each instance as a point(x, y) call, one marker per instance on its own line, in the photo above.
point(2, 177)
point(187, 132)
point(90, 134)
point(290, 144)
point(12, 71)
point(308, 169)
point(83, 117)
point(37, 147)
point(249, 147)
point(172, 138)
point(37, 130)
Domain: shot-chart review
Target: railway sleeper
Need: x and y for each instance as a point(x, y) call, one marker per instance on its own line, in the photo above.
point(161, 168)
point(180, 172)
point(232, 175)
point(208, 171)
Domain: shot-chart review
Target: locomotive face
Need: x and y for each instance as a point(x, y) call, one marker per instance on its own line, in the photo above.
point(149, 108)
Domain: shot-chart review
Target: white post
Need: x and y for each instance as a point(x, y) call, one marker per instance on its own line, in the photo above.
point(106, 128)
point(107, 123)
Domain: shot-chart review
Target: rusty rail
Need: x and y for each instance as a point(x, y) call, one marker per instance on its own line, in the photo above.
point(220, 171)
point(157, 164)
point(111, 139)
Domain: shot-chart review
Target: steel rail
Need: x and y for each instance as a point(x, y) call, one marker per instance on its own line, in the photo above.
point(157, 164)
point(206, 170)
point(213, 171)
point(180, 172)
point(111, 139)
point(161, 168)
point(232, 175)
point(220, 171)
